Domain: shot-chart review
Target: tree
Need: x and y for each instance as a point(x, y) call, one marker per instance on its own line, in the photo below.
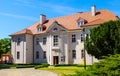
point(5, 46)
point(104, 39)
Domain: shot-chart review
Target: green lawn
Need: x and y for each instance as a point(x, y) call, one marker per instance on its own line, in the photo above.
point(64, 70)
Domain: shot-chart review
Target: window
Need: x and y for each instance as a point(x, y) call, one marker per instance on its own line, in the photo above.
point(39, 28)
point(37, 54)
point(82, 37)
point(55, 40)
point(63, 58)
point(73, 38)
point(74, 54)
point(44, 40)
point(44, 55)
point(18, 41)
point(82, 54)
point(18, 55)
point(37, 41)
point(79, 23)
point(55, 29)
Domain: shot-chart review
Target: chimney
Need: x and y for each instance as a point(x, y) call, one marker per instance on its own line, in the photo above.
point(42, 18)
point(93, 10)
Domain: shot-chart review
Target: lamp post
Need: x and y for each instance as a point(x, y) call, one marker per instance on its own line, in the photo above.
point(84, 49)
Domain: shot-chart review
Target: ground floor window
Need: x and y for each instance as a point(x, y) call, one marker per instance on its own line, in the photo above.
point(37, 54)
point(44, 55)
point(74, 54)
point(82, 54)
point(18, 55)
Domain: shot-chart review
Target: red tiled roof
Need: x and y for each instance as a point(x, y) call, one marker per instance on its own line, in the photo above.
point(24, 31)
point(70, 22)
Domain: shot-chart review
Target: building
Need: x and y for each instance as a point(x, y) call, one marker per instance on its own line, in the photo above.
point(57, 40)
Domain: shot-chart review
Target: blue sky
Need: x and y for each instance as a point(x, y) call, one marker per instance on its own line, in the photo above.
point(19, 14)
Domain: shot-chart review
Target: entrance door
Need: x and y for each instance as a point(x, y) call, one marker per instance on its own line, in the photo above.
point(55, 60)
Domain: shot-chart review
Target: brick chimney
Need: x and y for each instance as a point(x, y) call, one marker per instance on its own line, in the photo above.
point(93, 10)
point(42, 18)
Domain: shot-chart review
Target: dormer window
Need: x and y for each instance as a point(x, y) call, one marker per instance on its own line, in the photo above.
point(79, 23)
point(39, 28)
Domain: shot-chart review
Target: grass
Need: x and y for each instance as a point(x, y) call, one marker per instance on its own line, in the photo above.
point(64, 70)
point(61, 70)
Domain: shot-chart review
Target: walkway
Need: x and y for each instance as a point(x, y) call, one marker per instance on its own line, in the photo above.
point(26, 72)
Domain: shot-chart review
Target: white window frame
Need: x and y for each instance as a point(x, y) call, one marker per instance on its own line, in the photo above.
point(44, 40)
point(44, 54)
point(55, 40)
point(73, 38)
point(73, 54)
point(37, 55)
point(18, 55)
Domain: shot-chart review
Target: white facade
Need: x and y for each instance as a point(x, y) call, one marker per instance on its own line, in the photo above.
point(33, 50)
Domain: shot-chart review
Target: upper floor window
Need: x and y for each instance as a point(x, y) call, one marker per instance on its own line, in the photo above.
point(79, 23)
point(74, 54)
point(37, 54)
point(18, 55)
point(37, 41)
point(55, 40)
point(44, 40)
point(73, 38)
point(55, 29)
point(44, 55)
point(82, 37)
point(18, 41)
point(39, 28)
point(82, 54)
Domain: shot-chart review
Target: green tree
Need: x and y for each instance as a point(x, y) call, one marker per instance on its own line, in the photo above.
point(104, 39)
point(5, 46)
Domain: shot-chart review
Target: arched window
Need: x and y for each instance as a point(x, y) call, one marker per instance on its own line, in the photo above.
point(55, 29)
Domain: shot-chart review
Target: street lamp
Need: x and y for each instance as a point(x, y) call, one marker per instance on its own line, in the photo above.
point(84, 32)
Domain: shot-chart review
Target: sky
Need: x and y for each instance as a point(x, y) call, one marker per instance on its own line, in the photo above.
point(16, 15)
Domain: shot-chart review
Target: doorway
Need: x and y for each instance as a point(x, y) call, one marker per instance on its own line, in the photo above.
point(55, 60)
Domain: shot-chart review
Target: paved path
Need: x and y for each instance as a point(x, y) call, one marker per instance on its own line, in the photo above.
point(26, 72)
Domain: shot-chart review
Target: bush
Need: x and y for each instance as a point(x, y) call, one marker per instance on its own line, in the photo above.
point(4, 66)
point(41, 66)
point(24, 66)
point(105, 67)
point(77, 65)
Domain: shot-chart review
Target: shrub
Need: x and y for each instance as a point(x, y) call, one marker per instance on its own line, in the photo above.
point(105, 67)
point(41, 66)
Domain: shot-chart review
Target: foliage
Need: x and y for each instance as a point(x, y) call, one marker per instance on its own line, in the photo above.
point(104, 39)
point(76, 65)
point(41, 66)
point(106, 67)
point(64, 70)
point(5, 45)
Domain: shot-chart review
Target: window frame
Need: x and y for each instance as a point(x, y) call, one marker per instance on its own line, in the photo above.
point(73, 38)
point(82, 54)
point(37, 55)
point(18, 55)
point(37, 41)
point(55, 40)
point(82, 37)
point(73, 54)
point(79, 23)
point(18, 41)
point(44, 40)
point(44, 55)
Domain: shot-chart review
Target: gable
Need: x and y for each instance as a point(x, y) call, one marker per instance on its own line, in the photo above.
point(55, 27)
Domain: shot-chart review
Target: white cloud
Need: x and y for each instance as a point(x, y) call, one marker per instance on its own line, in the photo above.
point(19, 16)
